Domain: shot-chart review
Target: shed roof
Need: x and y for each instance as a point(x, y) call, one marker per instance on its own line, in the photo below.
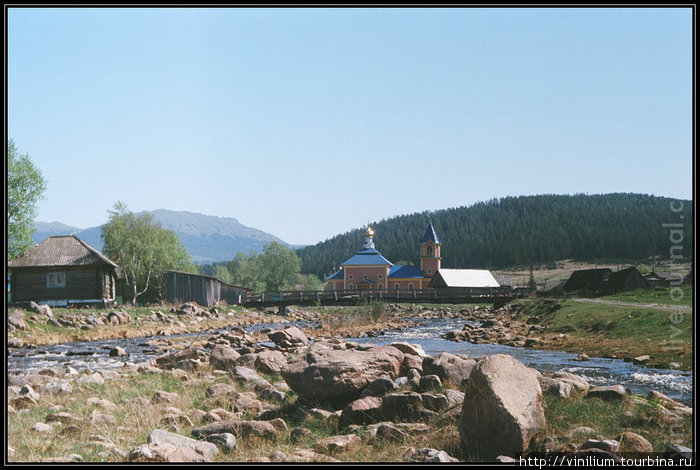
point(61, 251)
point(463, 278)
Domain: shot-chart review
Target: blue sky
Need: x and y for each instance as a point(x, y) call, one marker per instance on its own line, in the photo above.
point(307, 123)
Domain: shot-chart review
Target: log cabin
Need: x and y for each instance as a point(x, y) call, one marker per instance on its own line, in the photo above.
point(63, 270)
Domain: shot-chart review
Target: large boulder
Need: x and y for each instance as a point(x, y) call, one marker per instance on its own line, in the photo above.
point(502, 408)
point(338, 376)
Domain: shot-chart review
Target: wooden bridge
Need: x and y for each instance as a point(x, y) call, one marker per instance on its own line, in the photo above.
point(356, 296)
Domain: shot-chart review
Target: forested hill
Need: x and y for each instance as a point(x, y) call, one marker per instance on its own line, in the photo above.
point(514, 230)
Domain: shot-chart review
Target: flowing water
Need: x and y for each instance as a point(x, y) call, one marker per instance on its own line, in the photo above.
point(598, 371)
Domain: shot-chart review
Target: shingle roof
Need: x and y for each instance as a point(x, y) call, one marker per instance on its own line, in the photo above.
point(62, 250)
point(430, 235)
point(367, 256)
point(463, 278)
point(403, 272)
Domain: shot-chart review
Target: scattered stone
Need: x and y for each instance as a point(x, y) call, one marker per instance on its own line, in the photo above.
point(42, 428)
point(611, 392)
point(641, 359)
point(633, 442)
point(390, 433)
point(450, 367)
point(255, 428)
point(338, 444)
point(429, 455)
point(608, 445)
point(291, 335)
point(160, 397)
point(226, 441)
point(118, 352)
point(94, 378)
point(16, 319)
point(430, 382)
point(361, 411)
point(223, 357)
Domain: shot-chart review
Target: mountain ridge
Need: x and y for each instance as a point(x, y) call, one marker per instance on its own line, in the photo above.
point(206, 238)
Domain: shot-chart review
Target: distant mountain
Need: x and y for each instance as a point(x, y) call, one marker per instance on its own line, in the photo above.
point(206, 238)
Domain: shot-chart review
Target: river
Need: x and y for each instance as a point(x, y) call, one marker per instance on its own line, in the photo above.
point(598, 371)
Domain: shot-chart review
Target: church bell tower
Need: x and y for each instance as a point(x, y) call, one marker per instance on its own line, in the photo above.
point(430, 252)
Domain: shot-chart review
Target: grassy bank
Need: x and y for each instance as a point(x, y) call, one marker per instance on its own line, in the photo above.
point(612, 330)
point(680, 296)
point(134, 416)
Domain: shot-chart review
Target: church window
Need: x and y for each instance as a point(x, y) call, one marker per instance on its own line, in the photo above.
point(410, 286)
point(430, 251)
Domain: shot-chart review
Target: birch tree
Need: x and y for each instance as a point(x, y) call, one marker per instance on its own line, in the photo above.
point(142, 249)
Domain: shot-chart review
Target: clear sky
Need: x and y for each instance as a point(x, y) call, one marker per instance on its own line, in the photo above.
point(307, 123)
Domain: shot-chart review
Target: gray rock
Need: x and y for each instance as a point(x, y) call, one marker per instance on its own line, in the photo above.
point(338, 444)
point(611, 392)
point(502, 408)
point(429, 455)
point(223, 357)
point(449, 367)
point(226, 441)
point(337, 377)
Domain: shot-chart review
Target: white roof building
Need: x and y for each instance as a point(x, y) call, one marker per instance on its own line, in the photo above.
point(463, 278)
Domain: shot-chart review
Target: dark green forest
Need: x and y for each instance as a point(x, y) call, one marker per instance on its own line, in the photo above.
point(514, 231)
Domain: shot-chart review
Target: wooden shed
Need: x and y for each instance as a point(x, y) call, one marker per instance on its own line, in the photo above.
point(63, 270)
point(205, 290)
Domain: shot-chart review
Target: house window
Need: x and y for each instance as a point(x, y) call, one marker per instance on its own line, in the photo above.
point(56, 279)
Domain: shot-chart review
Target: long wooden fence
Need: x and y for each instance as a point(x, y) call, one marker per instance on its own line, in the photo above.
point(353, 296)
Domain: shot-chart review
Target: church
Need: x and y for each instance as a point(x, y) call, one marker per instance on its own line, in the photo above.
point(369, 270)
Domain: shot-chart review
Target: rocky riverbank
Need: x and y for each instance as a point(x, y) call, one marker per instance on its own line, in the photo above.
point(312, 396)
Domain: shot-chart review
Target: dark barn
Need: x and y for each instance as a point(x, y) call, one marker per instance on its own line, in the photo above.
point(63, 270)
point(587, 280)
point(625, 279)
point(205, 290)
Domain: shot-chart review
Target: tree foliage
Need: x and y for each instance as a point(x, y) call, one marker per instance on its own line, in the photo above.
point(511, 231)
point(143, 250)
point(275, 269)
point(25, 186)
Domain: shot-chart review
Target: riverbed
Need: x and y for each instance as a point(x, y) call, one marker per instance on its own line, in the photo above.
point(427, 333)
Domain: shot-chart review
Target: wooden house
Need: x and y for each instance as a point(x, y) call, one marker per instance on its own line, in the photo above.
point(622, 280)
point(587, 280)
point(63, 270)
point(655, 280)
point(205, 290)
